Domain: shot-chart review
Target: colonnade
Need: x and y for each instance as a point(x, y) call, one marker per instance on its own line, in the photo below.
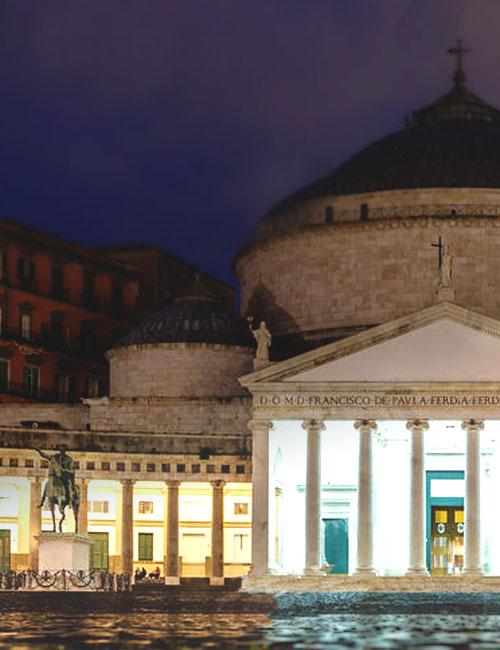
point(171, 557)
point(364, 563)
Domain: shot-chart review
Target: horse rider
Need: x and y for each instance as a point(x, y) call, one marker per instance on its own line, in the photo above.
point(61, 471)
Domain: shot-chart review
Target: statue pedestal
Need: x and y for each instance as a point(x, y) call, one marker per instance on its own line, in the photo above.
point(445, 293)
point(68, 551)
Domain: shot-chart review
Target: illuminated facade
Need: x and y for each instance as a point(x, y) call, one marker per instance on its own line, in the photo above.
point(367, 446)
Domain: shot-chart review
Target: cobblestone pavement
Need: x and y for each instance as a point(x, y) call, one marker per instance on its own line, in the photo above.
point(303, 621)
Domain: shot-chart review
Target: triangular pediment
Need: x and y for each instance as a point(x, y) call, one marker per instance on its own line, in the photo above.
point(442, 343)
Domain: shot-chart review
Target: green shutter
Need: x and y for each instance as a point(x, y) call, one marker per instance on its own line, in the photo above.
point(99, 552)
point(4, 550)
point(146, 547)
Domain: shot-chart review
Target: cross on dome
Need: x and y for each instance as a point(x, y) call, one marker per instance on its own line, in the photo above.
point(459, 50)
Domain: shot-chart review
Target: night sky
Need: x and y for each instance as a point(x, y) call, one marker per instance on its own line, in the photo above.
point(179, 123)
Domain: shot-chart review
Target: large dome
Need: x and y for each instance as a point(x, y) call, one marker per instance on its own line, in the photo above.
point(357, 248)
point(454, 142)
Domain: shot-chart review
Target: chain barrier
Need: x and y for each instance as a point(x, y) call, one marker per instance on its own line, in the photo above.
point(64, 580)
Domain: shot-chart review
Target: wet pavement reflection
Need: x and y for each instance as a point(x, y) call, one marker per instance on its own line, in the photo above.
point(252, 631)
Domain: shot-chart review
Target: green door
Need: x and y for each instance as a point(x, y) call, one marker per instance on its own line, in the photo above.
point(4, 551)
point(336, 545)
point(99, 551)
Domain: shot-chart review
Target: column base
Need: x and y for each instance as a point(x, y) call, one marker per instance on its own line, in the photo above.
point(172, 580)
point(416, 572)
point(368, 571)
point(216, 581)
point(473, 573)
point(313, 571)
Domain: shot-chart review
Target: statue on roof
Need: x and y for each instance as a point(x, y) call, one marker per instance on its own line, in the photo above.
point(263, 337)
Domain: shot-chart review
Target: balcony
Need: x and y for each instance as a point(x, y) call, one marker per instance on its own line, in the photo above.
point(35, 394)
point(45, 339)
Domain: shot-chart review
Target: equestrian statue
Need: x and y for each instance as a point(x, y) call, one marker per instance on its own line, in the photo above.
point(60, 489)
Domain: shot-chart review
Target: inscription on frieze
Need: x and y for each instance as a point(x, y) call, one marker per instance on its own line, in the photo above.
point(371, 400)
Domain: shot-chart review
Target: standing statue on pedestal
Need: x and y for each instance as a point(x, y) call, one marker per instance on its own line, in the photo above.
point(60, 489)
point(263, 337)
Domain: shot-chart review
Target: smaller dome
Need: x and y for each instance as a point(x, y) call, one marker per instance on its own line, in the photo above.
point(195, 316)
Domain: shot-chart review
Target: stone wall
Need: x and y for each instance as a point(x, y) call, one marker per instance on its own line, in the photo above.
point(63, 416)
point(202, 416)
point(358, 274)
point(177, 370)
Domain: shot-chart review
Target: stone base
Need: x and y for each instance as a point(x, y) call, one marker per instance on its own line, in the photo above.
point(172, 580)
point(217, 581)
point(68, 551)
point(344, 583)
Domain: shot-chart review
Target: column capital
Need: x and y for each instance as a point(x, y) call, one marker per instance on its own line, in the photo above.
point(35, 479)
point(313, 425)
point(86, 481)
point(473, 425)
point(218, 484)
point(127, 482)
point(257, 425)
point(365, 425)
point(417, 426)
point(172, 484)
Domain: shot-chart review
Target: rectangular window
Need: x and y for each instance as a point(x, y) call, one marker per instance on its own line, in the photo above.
point(57, 327)
point(3, 265)
point(145, 507)
point(62, 388)
point(328, 214)
point(31, 381)
point(363, 213)
point(57, 282)
point(98, 506)
point(95, 386)
point(88, 288)
point(241, 508)
point(4, 375)
point(146, 547)
point(117, 297)
point(26, 326)
point(26, 273)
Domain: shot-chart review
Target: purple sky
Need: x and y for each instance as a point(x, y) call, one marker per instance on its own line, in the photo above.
point(181, 122)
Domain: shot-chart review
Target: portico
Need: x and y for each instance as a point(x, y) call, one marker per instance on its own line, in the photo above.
point(390, 435)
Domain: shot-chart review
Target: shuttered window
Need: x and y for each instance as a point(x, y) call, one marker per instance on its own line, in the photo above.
point(146, 547)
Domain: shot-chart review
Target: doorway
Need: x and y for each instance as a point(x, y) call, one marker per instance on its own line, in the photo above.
point(336, 545)
point(445, 522)
point(4, 551)
point(99, 551)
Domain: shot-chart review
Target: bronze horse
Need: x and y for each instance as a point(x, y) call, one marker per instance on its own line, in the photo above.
point(60, 489)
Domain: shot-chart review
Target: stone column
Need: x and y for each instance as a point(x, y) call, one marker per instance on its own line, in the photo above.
point(83, 525)
point(127, 525)
point(313, 496)
point(417, 498)
point(217, 577)
point(35, 524)
point(365, 498)
point(260, 496)
point(172, 534)
point(472, 497)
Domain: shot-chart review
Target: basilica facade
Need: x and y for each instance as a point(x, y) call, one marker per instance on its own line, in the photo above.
point(366, 445)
